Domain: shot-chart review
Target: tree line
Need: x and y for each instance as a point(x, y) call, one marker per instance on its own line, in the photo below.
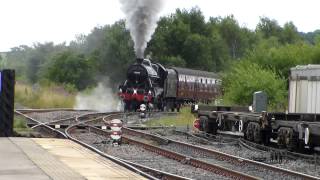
point(247, 60)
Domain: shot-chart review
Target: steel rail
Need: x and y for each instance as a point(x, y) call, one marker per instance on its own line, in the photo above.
point(260, 147)
point(50, 110)
point(41, 126)
point(224, 156)
point(179, 157)
point(130, 165)
point(56, 133)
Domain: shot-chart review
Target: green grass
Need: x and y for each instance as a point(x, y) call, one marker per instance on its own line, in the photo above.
point(43, 96)
point(19, 125)
point(184, 118)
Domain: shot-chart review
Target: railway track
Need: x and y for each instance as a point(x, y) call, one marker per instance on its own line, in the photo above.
point(216, 169)
point(283, 152)
point(193, 155)
point(251, 167)
point(84, 123)
point(45, 130)
point(80, 120)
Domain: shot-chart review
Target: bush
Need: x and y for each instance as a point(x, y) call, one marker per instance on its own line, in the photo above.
point(37, 96)
point(73, 69)
point(244, 78)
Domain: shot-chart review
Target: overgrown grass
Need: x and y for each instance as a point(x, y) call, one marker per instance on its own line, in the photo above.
point(19, 125)
point(184, 118)
point(43, 96)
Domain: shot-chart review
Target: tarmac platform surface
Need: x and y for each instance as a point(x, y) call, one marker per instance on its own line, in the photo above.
point(47, 158)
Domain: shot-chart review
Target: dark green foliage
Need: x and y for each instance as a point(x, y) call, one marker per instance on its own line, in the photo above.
point(201, 45)
point(244, 78)
point(115, 53)
point(268, 28)
point(71, 68)
point(310, 36)
point(283, 57)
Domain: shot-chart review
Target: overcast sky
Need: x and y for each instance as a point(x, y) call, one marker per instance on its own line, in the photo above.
point(28, 21)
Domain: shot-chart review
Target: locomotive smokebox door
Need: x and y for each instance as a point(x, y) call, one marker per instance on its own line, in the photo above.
point(260, 101)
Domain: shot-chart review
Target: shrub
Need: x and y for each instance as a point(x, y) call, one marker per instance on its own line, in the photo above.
point(244, 78)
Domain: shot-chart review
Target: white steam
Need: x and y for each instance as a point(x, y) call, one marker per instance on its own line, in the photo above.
point(141, 20)
point(101, 98)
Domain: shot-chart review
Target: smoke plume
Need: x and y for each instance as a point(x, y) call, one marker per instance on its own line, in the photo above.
point(101, 98)
point(141, 20)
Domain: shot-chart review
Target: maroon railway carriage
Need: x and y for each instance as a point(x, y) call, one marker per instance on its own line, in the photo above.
point(187, 85)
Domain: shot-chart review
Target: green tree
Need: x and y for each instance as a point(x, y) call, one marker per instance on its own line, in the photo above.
point(196, 52)
point(290, 34)
point(71, 68)
point(177, 61)
point(219, 51)
point(244, 78)
point(271, 54)
point(231, 32)
point(115, 53)
point(268, 28)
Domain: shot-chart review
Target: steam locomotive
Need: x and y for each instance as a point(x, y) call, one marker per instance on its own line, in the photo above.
point(157, 87)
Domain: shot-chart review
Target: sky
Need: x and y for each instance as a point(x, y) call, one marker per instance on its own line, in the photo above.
point(24, 22)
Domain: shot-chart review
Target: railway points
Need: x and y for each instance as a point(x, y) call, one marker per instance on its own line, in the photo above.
point(151, 158)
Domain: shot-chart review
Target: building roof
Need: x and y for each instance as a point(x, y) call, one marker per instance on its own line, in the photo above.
point(305, 71)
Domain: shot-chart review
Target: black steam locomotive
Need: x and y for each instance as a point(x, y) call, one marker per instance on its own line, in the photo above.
point(163, 88)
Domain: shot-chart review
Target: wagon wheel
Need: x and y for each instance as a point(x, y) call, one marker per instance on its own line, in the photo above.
point(249, 132)
point(257, 133)
point(281, 137)
point(290, 140)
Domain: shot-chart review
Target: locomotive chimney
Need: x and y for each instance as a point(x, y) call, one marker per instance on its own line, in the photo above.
point(139, 60)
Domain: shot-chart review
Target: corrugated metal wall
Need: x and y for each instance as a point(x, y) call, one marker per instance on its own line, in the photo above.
point(304, 87)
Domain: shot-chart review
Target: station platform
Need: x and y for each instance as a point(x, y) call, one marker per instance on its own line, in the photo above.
point(47, 158)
